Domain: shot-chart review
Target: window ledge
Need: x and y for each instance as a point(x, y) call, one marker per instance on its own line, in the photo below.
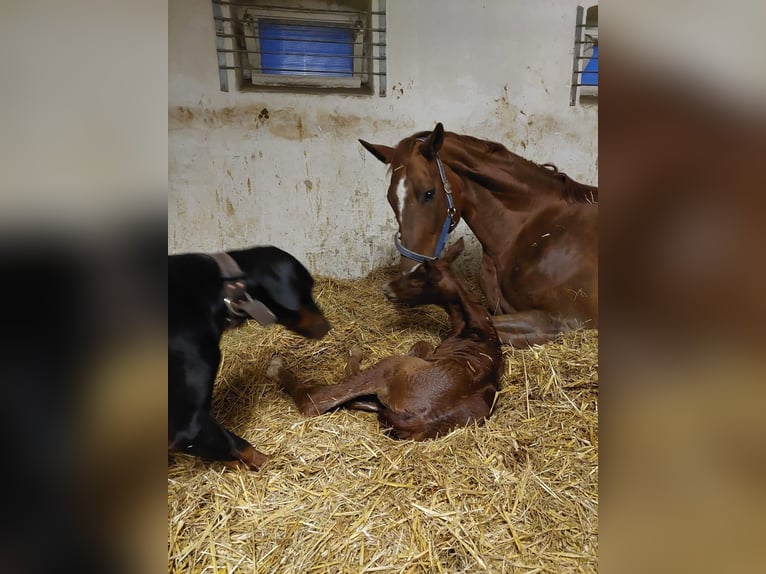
point(280, 80)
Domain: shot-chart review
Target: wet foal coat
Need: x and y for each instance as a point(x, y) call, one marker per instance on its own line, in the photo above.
point(538, 228)
point(429, 392)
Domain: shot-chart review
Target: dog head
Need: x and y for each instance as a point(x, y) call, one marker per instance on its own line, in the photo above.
point(284, 285)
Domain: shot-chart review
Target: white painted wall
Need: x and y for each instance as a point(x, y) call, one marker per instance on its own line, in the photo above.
point(300, 180)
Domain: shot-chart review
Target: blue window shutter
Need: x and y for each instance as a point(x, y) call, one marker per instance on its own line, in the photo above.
point(299, 50)
point(590, 73)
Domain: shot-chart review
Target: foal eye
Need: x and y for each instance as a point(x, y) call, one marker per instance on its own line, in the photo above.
point(428, 196)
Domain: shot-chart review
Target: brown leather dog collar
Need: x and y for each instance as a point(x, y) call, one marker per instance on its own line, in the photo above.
point(239, 304)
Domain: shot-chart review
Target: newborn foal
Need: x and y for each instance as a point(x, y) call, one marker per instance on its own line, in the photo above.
point(429, 392)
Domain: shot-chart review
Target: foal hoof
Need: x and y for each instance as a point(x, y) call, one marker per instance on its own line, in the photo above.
point(355, 352)
point(272, 371)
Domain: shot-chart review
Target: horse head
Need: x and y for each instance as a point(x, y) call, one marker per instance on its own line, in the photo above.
point(425, 199)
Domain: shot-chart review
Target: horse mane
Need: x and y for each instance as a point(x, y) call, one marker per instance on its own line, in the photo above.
point(505, 164)
point(573, 191)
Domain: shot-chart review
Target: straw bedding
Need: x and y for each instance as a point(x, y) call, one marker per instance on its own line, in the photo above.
point(519, 494)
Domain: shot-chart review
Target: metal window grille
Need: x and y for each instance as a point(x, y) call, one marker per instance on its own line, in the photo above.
point(585, 64)
point(337, 46)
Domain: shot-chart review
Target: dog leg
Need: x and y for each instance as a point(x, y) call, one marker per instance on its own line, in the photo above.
point(213, 442)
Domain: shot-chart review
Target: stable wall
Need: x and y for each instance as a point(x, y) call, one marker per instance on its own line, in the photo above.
point(299, 179)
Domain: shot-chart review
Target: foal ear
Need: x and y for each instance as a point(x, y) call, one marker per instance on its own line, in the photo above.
point(453, 251)
point(383, 152)
point(434, 141)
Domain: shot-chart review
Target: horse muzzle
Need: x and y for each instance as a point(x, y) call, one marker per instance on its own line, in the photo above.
point(389, 293)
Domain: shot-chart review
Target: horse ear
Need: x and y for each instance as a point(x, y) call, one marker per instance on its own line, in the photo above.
point(454, 250)
point(433, 272)
point(383, 152)
point(434, 141)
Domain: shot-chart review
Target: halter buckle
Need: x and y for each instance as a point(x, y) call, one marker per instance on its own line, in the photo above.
point(231, 305)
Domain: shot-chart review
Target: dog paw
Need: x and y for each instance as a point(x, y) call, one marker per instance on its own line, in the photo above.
point(272, 372)
point(248, 458)
point(253, 458)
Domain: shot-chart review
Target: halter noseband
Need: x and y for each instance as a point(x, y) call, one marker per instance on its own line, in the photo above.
point(449, 221)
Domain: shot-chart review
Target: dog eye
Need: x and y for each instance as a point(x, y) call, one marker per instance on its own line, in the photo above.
point(428, 196)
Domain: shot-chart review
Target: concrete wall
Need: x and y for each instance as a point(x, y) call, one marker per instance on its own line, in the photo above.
point(299, 180)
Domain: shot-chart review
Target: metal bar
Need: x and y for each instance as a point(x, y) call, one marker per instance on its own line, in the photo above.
point(313, 72)
point(301, 40)
point(223, 75)
point(577, 54)
point(310, 22)
point(301, 54)
point(292, 8)
point(382, 87)
point(222, 35)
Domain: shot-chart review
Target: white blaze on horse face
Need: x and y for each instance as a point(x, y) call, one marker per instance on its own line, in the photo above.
point(401, 194)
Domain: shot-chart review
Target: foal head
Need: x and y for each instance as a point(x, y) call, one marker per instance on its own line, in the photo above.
point(430, 282)
point(427, 205)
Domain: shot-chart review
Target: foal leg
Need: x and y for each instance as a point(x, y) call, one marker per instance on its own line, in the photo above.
point(352, 369)
point(318, 399)
point(526, 328)
point(353, 361)
point(276, 371)
point(490, 286)
point(421, 349)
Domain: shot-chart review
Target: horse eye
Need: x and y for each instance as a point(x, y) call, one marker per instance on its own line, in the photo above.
point(428, 196)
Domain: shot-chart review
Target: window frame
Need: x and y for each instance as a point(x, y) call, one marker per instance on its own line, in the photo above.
point(238, 44)
point(345, 21)
point(586, 38)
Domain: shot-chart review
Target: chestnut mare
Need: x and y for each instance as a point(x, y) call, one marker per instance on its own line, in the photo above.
point(538, 228)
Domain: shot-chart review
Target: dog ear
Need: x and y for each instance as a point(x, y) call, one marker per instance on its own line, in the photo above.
point(280, 285)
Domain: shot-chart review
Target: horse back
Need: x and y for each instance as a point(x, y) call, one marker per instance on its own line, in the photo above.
point(553, 263)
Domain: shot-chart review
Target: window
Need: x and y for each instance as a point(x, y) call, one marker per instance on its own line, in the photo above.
point(307, 45)
point(585, 66)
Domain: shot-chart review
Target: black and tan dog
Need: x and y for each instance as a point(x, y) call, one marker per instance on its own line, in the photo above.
point(206, 295)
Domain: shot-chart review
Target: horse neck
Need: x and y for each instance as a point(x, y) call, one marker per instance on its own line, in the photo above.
point(507, 189)
point(467, 316)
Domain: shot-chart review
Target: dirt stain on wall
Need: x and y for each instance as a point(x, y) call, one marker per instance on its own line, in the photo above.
point(286, 123)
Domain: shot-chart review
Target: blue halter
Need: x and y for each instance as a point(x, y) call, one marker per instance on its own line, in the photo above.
point(449, 222)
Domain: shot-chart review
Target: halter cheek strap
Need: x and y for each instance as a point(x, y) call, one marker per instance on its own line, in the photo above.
point(449, 222)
